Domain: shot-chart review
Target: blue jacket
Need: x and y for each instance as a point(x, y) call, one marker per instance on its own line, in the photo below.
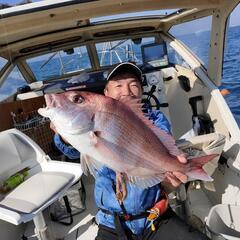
point(138, 200)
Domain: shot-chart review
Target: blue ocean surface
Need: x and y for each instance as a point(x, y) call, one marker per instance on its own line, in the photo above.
point(231, 71)
point(197, 42)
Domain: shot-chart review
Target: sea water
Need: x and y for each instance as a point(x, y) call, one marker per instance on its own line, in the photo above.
point(231, 71)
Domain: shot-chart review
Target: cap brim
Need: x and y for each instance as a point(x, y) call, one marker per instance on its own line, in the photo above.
point(125, 67)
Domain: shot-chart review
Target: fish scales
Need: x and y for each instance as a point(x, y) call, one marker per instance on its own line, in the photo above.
point(126, 124)
point(134, 154)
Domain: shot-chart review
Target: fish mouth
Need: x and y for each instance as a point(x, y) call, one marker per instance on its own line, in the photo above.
point(47, 112)
point(64, 116)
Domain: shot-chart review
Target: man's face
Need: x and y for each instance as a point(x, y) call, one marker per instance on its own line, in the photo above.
point(123, 85)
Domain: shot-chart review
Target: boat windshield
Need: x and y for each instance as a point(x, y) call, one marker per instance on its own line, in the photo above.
point(195, 35)
point(3, 62)
point(160, 13)
point(113, 52)
point(8, 4)
point(59, 63)
point(70, 61)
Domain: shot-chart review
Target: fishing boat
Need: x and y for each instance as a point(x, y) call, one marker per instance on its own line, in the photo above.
point(56, 46)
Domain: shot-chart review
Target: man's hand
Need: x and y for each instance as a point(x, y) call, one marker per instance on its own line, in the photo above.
point(176, 178)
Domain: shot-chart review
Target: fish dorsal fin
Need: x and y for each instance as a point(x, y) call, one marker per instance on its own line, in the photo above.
point(133, 103)
point(167, 140)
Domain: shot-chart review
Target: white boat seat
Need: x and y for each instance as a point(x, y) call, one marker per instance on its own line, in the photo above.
point(46, 182)
point(41, 188)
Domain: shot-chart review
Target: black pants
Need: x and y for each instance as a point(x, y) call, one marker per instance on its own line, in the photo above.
point(169, 228)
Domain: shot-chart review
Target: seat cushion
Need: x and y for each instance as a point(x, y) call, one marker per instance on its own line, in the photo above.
point(36, 191)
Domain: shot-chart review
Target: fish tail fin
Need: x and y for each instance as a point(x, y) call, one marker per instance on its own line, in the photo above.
point(196, 170)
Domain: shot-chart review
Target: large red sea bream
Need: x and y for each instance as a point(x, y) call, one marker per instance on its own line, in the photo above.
point(116, 134)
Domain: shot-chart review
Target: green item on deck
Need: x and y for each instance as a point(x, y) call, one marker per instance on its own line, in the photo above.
point(14, 180)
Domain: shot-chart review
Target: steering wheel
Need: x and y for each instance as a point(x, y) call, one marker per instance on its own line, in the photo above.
point(150, 101)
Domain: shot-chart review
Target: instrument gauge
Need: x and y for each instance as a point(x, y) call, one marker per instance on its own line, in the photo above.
point(152, 80)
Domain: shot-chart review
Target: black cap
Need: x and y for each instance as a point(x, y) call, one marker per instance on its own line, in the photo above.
point(125, 67)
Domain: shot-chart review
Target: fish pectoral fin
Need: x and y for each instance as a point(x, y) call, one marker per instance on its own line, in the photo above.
point(146, 182)
point(89, 164)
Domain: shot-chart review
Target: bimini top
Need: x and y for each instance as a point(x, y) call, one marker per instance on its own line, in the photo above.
point(57, 21)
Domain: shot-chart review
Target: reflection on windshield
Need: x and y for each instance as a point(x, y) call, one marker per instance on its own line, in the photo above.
point(3, 61)
point(75, 60)
point(196, 36)
point(10, 85)
point(8, 4)
point(110, 53)
point(160, 13)
point(59, 63)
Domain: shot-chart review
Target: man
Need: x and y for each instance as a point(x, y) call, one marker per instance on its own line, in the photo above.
point(130, 219)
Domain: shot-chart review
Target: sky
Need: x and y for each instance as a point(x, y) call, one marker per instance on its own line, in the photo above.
point(235, 16)
point(12, 2)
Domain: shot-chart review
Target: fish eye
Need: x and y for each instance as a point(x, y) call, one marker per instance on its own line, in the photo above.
point(77, 99)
